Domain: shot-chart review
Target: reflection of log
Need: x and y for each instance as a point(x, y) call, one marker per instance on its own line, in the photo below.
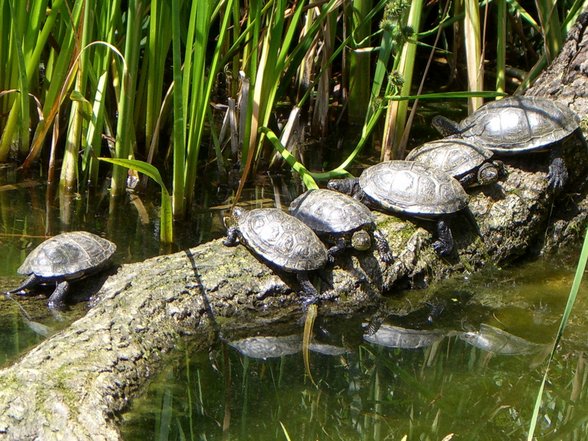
point(73, 385)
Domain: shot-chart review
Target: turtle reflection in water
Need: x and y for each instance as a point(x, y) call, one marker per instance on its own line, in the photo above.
point(62, 259)
point(265, 347)
point(396, 337)
point(495, 340)
point(281, 240)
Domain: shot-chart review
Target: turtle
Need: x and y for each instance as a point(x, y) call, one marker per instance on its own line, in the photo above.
point(63, 258)
point(517, 125)
point(411, 189)
point(281, 240)
point(340, 220)
point(470, 164)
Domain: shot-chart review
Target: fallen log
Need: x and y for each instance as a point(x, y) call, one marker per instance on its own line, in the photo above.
point(76, 383)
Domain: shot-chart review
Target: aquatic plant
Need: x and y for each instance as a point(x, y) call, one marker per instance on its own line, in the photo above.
point(117, 80)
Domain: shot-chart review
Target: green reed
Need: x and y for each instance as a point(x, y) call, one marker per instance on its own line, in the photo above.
point(401, 81)
point(472, 29)
point(501, 46)
point(125, 138)
point(141, 80)
point(26, 32)
point(359, 60)
point(580, 268)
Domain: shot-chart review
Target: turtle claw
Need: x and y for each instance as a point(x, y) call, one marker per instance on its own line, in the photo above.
point(383, 247)
point(443, 246)
point(558, 174)
point(387, 257)
point(442, 249)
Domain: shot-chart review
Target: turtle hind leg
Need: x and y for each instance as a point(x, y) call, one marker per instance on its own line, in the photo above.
point(383, 246)
point(30, 282)
point(558, 172)
point(56, 299)
point(443, 246)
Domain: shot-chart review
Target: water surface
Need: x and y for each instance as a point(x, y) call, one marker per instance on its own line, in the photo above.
point(476, 379)
point(472, 373)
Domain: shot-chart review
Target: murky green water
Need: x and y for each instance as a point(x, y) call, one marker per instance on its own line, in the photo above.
point(375, 391)
point(446, 388)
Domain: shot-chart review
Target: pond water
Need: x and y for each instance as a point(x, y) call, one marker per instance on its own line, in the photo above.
point(471, 372)
point(467, 366)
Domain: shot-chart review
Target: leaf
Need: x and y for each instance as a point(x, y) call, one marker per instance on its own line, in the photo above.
point(166, 215)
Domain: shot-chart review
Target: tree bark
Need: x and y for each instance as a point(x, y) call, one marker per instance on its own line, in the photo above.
point(73, 385)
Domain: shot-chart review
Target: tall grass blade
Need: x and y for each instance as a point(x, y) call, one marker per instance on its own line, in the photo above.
point(178, 130)
point(305, 175)
point(550, 27)
point(62, 74)
point(501, 46)
point(474, 57)
point(69, 167)
point(396, 114)
point(580, 268)
point(125, 128)
point(166, 218)
point(360, 63)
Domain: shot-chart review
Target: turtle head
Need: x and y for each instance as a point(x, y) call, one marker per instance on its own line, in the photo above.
point(361, 240)
point(491, 172)
point(238, 212)
point(445, 126)
point(348, 186)
point(233, 218)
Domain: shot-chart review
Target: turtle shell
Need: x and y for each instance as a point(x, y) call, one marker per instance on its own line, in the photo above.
point(410, 188)
point(453, 156)
point(519, 124)
point(280, 239)
point(330, 212)
point(69, 256)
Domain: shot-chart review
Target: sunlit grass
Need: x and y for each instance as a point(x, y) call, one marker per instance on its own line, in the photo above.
point(138, 81)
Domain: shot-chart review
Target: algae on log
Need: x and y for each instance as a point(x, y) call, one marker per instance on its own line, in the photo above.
point(73, 385)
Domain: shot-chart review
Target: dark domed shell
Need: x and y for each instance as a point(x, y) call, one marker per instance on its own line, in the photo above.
point(517, 124)
point(68, 255)
point(408, 187)
point(328, 212)
point(451, 155)
point(281, 239)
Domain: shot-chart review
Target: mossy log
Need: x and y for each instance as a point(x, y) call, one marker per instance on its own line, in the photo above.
point(76, 383)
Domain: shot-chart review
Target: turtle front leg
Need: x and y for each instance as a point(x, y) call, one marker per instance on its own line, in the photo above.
point(383, 246)
point(56, 299)
point(232, 238)
point(558, 172)
point(336, 249)
point(309, 293)
point(443, 246)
